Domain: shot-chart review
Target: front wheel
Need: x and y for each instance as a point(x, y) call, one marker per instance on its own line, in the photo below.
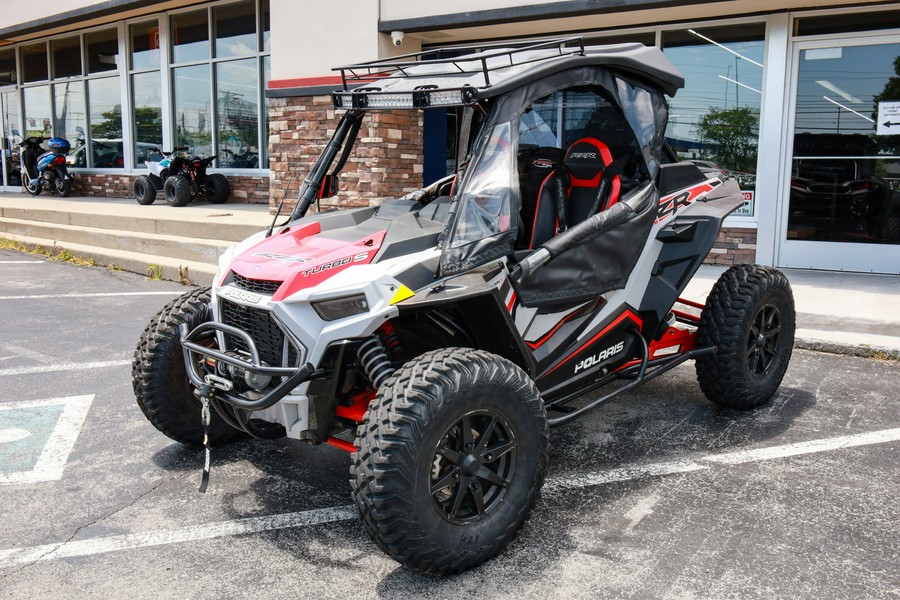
point(35, 189)
point(450, 459)
point(749, 317)
point(144, 192)
point(159, 377)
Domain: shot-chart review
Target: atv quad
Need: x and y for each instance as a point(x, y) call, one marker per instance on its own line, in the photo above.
point(181, 178)
point(439, 336)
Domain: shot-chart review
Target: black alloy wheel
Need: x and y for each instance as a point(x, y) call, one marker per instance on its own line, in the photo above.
point(762, 343)
point(473, 466)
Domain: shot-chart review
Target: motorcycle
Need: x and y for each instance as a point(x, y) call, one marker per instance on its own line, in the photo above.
point(181, 178)
point(48, 169)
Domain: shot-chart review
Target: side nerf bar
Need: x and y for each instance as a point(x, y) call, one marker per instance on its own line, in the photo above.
point(190, 347)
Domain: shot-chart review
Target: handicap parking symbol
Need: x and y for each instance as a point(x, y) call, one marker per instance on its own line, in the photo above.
point(37, 436)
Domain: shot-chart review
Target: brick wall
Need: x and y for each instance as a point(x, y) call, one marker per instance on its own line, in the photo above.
point(734, 246)
point(386, 161)
point(244, 189)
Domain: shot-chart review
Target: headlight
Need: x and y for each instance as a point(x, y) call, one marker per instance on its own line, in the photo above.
point(338, 308)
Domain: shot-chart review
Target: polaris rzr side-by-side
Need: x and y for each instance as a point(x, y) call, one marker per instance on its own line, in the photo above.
point(437, 337)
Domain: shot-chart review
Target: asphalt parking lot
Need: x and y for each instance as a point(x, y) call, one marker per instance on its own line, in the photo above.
point(658, 495)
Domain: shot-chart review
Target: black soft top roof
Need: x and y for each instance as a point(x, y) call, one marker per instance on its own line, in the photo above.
point(495, 70)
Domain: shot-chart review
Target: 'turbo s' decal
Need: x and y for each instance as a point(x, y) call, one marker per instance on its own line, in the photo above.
point(338, 263)
point(590, 361)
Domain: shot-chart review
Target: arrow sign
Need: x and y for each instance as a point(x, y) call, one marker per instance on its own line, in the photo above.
point(888, 118)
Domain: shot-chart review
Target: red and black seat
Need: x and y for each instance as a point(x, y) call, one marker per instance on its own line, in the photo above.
point(586, 183)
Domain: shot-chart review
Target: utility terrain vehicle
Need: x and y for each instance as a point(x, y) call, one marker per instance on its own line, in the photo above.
point(437, 337)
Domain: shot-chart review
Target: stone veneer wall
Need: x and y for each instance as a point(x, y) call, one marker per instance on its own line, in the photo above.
point(734, 246)
point(386, 161)
point(244, 189)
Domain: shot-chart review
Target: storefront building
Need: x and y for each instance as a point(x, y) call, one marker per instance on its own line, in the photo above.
point(797, 100)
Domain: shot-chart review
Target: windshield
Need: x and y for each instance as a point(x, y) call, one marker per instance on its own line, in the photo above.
point(484, 204)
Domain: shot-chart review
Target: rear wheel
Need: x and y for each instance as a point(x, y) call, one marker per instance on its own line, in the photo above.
point(144, 192)
point(450, 459)
point(62, 186)
point(749, 317)
point(217, 188)
point(177, 190)
point(159, 376)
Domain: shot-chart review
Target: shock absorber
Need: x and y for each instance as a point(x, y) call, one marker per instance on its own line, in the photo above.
point(374, 361)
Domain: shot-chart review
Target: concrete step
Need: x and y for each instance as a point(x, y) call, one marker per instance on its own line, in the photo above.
point(162, 267)
point(178, 242)
point(193, 249)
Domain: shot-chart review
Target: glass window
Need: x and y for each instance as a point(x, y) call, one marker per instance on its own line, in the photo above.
point(238, 116)
point(34, 62)
point(38, 116)
point(648, 39)
point(193, 117)
point(714, 120)
point(144, 45)
point(235, 29)
point(7, 66)
point(66, 57)
point(10, 122)
point(843, 23)
point(147, 114)
point(106, 123)
point(264, 8)
point(69, 118)
point(102, 51)
point(846, 152)
point(190, 37)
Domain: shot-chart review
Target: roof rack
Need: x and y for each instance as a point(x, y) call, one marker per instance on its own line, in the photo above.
point(375, 70)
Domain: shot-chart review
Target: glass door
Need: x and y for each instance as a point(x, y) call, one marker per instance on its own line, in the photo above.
point(10, 179)
point(842, 208)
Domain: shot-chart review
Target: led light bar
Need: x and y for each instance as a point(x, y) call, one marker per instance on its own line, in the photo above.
point(374, 98)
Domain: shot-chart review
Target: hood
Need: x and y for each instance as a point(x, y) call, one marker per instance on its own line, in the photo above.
point(302, 258)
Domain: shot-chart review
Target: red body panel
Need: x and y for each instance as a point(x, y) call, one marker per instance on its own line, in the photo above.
point(303, 259)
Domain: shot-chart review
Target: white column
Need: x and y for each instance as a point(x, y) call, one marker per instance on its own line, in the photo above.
point(773, 138)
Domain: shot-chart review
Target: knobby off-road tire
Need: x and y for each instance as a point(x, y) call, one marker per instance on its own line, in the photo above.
point(750, 318)
point(217, 188)
point(144, 192)
point(160, 381)
point(450, 459)
point(177, 190)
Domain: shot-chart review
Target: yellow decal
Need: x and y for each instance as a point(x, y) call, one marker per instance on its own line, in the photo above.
point(402, 294)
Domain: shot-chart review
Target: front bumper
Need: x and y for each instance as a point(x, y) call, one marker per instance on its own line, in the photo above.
point(193, 350)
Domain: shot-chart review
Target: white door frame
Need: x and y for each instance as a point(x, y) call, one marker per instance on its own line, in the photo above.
point(837, 256)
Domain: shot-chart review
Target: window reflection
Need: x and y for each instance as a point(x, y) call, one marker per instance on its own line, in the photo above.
point(193, 118)
point(238, 114)
point(38, 118)
point(235, 29)
point(69, 118)
point(147, 116)
point(845, 173)
point(34, 62)
point(144, 45)
point(7, 67)
point(714, 120)
point(10, 121)
point(102, 51)
point(190, 36)
point(66, 57)
point(107, 149)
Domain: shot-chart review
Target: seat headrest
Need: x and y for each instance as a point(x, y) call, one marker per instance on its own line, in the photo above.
point(585, 159)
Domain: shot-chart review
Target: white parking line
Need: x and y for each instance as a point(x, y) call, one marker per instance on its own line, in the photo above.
point(63, 367)
point(20, 262)
point(91, 295)
point(90, 547)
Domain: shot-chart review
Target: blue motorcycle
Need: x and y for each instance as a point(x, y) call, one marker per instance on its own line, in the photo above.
point(48, 169)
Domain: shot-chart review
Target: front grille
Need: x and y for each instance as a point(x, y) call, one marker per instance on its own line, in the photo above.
point(260, 286)
point(262, 328)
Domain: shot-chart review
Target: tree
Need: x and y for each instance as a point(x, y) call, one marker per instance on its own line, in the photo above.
point(891, 92)
point(731, 135)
